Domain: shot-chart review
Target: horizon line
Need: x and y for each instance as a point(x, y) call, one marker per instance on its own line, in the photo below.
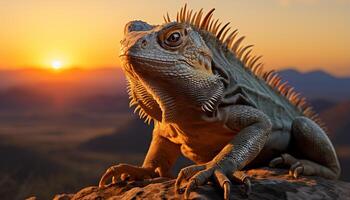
point(72, 68)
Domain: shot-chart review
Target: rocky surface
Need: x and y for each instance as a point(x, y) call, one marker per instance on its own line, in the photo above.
point(267, 184)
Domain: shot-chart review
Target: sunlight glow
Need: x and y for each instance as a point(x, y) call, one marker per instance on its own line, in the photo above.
point(86, 34)
point(56, 64)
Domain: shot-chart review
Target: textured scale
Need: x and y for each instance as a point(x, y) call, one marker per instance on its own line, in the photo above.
point(212, 101)
point(243, 53)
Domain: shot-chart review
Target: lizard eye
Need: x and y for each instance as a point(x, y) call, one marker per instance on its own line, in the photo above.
point(172, 36)
point(174, 39)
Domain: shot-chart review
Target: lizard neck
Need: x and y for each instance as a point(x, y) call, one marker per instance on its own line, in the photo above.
point(183, 98)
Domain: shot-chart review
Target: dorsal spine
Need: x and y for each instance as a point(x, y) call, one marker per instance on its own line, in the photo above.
point(252, 63)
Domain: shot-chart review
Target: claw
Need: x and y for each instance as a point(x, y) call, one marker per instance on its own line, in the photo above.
point(288, 159)
point(247, 186)
point(191, 186)
point(220, 177)
point(106, 176)
point(227, 190)
point(124, 172)
point(242, 177)
point(177, 187)
point(125, 177)
point(292, 169)
point(276, 161)
point(178, 182)
point(186, 173)
point(199, 175)
point(296, 166)
point(114, 180)
point(200, 178)
point(224, 182)
point(298, 171)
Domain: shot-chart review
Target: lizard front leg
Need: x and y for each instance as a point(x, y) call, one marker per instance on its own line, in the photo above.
point(254, 128)
point(160, 157)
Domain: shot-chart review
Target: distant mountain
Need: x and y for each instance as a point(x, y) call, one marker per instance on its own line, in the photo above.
point(19, 99)
point(24, 172)
point(318, 84)
point(76, 83)
point(320, 105)
point(90, 90)
point(337, 119)
point(134, 137)
point(70, 82)
point(22, 100)
point(103, 103)
point(14, 170)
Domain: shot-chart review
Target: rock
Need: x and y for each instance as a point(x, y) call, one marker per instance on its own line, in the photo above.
point(267, 184)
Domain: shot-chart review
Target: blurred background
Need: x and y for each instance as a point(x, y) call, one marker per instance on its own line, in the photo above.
point(64, 115)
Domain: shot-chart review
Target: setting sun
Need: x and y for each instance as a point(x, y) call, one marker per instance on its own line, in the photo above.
point(56, 64)
point(86, 34)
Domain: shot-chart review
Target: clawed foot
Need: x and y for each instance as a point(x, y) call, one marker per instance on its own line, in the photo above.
point(197, 175)
point(242, 178)
point(297, 166)
point(125, 172)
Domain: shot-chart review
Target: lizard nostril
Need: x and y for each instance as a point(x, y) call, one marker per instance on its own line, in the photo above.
point(143, 43)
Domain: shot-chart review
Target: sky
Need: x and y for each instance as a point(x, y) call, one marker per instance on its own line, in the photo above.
point(304, 34)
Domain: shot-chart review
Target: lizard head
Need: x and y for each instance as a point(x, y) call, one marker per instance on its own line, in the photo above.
point(184, 66)
point(173, 66)
point(172, 43)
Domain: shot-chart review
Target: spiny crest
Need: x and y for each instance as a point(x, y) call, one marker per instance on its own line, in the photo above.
point(134, 102)
point(230, 41)
point(222, 32)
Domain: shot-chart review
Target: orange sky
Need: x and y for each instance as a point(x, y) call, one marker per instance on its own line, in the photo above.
point(307, 34)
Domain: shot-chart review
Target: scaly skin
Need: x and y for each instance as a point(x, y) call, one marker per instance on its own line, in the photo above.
point(208, 105)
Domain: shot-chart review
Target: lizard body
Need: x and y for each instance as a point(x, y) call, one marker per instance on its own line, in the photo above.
point(212, 101)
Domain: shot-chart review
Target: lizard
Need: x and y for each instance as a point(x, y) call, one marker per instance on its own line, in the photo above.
point(211, 100)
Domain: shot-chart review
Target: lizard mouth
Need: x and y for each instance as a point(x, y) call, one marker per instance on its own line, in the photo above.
point(133, 63)
point(129, 58)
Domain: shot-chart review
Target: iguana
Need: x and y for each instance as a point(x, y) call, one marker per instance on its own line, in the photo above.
point(212, 101)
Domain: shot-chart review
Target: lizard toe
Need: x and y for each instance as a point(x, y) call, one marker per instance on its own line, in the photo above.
point(296, 166)
point(242, 178)
point(185, 174)
point(125, 172)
